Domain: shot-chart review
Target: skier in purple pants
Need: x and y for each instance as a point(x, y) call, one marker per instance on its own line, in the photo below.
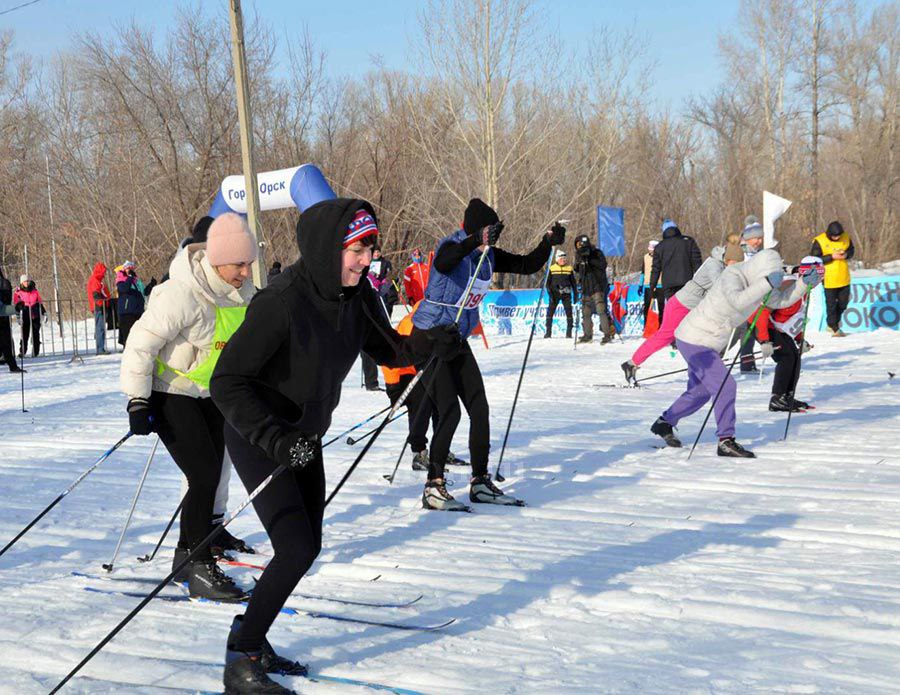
point(704, 333)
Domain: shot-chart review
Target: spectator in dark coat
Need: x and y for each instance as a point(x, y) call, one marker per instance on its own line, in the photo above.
point(274, 272)
point(130, 304)
point(7, 310)
point(676, 258)
point(591, 271)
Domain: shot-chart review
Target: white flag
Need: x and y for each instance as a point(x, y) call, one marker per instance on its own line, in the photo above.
point(773, 207)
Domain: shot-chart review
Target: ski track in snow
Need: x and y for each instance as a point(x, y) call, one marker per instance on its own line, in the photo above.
point(631, 570)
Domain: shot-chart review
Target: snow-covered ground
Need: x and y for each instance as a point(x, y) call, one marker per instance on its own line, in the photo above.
point(632, 570)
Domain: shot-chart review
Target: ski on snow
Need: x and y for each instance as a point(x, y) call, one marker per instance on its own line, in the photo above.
point(286, 609)
point(310, 597)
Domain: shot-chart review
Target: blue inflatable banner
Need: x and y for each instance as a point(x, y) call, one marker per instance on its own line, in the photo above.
point(874, 303)
point(298, 187)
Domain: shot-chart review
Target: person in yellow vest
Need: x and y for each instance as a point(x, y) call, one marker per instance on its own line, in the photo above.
point(835, 248)
point(166, 370)
point(562, 287)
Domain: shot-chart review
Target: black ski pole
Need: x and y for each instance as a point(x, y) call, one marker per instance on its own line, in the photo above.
point(149, 557)
point(678, 371)
point(22, 375)
point(356, 426)
point(351, 441)
point(162, 585)
point(65, 492)
point(137, 493)
point(727, 374)
point(512, 411)
point(799, 358)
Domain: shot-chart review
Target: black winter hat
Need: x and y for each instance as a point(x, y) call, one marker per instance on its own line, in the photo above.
point(478, 216)
point(835, 229)
point(201, 230)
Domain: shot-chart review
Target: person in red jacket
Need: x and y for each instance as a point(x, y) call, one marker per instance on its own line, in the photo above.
point(415, 277)
point(98, 299)
point(780, 336)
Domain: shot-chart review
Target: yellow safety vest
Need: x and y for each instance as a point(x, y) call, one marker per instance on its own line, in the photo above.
point(837, 273)
point(228, 320)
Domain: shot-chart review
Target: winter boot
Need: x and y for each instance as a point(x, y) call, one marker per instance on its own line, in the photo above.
point(800, 405)
point(435, 496)
point(484, 491)
point(225, 541)
point(18, 370)
point(839, 334)
point(246, 675)
point(729, 447)
point(185, 573)
point(547, 335)
point(271, 662)
point(664, 430)
point(420, 461)
point(585, 339)
point(208, 581)
point(454, 460)
point(630, 370)
point(782, 404)
point(569, 334)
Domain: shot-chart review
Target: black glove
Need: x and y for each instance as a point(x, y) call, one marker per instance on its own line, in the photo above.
point(557, 235)
point(297, 452)
point(446, 342)
point(490, 235)
point(140, 416)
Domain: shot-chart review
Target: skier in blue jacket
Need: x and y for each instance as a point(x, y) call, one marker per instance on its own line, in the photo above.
point(459, 378)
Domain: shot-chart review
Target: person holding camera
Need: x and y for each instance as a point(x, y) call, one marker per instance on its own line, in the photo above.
point(451, 282)
point(591, 271)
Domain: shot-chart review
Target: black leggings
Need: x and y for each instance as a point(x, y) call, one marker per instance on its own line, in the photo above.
point(30, 326)
point(566, 300)
point(459, 379)
point(290, 509)
point(419, 411)
point(191, 429)
point(787, 360)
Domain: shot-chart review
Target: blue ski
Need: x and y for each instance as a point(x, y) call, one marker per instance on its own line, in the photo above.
point(311, 597)
point(286, 609)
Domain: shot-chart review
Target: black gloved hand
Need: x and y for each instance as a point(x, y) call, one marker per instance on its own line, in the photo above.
point(297, 452)
point(140, 416)
point(446, 342)
point(490, 235)
point(557, 235)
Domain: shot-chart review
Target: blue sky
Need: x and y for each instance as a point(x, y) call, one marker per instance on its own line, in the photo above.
point(682, 37)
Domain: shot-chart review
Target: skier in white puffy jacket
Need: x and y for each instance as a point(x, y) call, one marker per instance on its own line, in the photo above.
point(166, 368)
point(704, 333)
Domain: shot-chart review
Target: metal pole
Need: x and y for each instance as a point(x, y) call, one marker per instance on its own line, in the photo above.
point(245, 121)
point(53, 252)
point(137, 493)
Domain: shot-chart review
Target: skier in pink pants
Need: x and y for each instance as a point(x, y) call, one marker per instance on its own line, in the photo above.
point(681, 304)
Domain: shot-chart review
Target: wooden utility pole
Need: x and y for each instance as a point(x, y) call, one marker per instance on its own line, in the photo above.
point(245, 121)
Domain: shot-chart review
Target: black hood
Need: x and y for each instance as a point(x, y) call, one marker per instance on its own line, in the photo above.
point(670, 232)
point(320, 238)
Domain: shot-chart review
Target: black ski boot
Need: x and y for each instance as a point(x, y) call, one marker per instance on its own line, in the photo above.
point(185, 573)
point(246, 675)
point(208, 581)
point(224, 541)
point(783, 404)
point(420, 461)
point(630, 372)
point(271, 662)
point(663, 429)
point(800, 405)
point(729, 447)
point(454, 460)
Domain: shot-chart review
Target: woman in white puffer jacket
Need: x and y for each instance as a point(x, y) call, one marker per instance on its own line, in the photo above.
point(166, 367)
point(704, 333)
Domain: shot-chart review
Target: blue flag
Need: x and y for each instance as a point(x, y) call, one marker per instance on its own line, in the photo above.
point(611, 230)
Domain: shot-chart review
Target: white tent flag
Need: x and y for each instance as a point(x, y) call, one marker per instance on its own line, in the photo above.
point(773, 207)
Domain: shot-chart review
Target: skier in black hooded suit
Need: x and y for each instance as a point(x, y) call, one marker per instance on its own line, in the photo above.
point(277, 383)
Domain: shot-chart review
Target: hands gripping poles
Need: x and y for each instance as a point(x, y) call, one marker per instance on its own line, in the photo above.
point(65, 492)
point(512, 412)
point(262, 486)
point(737, 355)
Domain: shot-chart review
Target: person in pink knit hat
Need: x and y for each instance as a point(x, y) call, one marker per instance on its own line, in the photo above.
point(166, 369)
